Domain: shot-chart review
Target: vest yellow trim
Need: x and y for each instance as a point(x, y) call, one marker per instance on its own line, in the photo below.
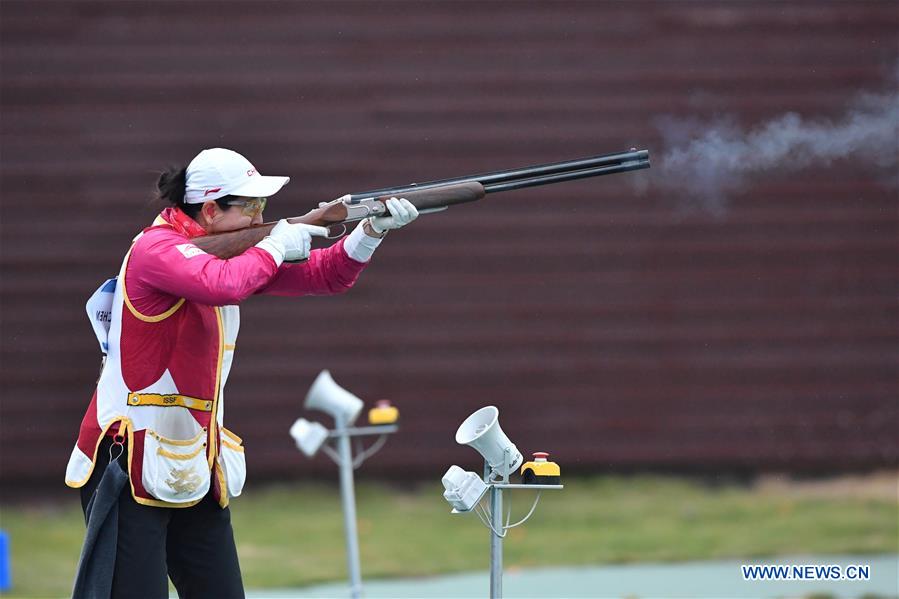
point(227, 443)
point(133, 310)
point(233, 437)
point(180, 442)
point(83, 481)
point(169, 400)
point(213, 422)
point(223, 485)
point(180, 456)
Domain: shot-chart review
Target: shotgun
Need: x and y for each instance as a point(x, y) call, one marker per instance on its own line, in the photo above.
point(432, 196)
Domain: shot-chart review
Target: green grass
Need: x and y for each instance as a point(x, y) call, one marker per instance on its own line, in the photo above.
point(292, 536)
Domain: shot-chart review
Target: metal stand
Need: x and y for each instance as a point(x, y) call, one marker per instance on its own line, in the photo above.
point(494, 521)
point(496, 541)
point(343, 457)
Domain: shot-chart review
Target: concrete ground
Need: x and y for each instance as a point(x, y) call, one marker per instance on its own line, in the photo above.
point(694, 580)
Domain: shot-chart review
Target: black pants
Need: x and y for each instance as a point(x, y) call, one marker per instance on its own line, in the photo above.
point(194, 546)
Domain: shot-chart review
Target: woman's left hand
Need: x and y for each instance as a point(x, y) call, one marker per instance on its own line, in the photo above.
point(402, 212)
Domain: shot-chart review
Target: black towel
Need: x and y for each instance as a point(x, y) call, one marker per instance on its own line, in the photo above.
point(94, 575)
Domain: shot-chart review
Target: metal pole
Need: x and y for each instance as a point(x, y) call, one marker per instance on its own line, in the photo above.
point(496, 542)
point(348, 498)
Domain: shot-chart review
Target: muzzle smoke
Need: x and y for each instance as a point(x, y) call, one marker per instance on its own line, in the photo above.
point(705, 163)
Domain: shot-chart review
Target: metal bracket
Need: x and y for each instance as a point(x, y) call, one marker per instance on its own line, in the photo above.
point(522, 486)
point(360, 431)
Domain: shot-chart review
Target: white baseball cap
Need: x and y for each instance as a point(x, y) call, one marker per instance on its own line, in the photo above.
point(217, 172)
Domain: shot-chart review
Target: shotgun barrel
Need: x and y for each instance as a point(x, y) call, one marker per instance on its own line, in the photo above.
point(530, 176)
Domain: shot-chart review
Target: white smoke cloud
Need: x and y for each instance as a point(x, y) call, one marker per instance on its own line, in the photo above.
point(705, 163)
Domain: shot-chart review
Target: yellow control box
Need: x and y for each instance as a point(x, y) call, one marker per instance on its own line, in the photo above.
point(383, 413)
point(541, 471)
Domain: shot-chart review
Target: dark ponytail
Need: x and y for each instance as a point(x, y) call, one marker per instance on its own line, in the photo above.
point(171, 187)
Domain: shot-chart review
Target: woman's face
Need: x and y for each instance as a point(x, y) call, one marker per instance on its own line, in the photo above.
point(245, 212)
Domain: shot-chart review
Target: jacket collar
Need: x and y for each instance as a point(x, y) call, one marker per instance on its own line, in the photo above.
point(179, 221)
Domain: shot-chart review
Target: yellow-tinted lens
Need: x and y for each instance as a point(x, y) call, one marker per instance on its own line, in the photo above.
point(254, 206)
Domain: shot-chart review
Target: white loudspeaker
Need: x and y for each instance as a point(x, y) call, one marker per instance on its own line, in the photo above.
point(481, 430)
point(331, 398)
point(463, 489)
point(309, 436)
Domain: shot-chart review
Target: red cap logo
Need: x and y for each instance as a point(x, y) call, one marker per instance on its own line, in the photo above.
point(208, 191)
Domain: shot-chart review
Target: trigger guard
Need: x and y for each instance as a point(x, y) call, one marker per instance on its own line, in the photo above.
point(332, 235)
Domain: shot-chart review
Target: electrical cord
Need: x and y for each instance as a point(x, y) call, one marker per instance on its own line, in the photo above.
point(364, 455)
point(522, 521)
point(486, 522)
point(335, 457)
point(486, 516)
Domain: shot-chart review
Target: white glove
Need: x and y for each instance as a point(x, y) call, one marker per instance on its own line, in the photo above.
point(291, 242)
point(402, 212)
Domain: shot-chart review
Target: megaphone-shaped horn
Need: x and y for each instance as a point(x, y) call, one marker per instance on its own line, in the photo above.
point(481, 430)
point(331, 398)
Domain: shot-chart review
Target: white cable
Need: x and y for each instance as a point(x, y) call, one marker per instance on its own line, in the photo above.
point(477, 511)
point(335, 457)
point(364, 455)
point(487, 522)
point(487, 517)
point(522, 521)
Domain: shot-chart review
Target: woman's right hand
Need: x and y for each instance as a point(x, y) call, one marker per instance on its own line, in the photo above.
point(295, 241)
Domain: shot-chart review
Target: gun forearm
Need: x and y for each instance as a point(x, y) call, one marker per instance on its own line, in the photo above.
point(440, 197)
